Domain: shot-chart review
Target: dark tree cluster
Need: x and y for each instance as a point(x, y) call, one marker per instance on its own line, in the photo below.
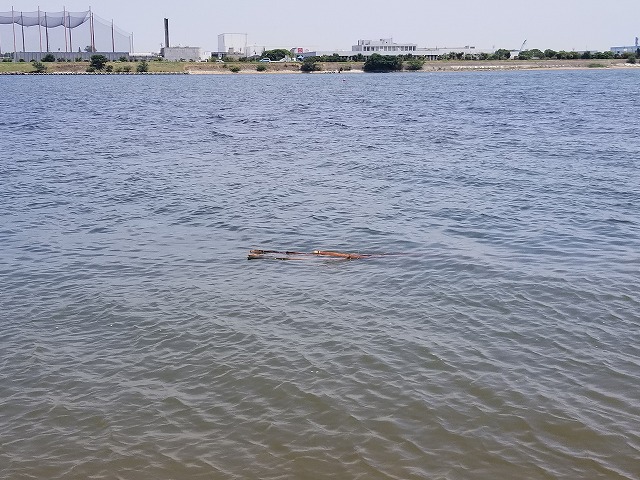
point(383, 63)
point(310, 64)
point(277, 54)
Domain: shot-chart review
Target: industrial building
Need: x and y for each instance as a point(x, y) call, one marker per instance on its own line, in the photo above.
point(237, 45)
point(233, 44)
point(178, 54)
point(386, 46)
point(621, 50)
point(182, 54)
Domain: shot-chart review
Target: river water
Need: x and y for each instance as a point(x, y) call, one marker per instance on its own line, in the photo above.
point(138, 342)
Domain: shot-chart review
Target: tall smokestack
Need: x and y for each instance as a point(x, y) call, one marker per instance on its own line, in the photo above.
point(166, 33)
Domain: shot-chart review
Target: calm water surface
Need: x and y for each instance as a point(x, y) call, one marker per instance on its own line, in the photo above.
point(137, 342)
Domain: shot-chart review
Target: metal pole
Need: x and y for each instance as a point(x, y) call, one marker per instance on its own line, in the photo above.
point(46, 30)
point(22, 22)
point(64, 26)
point(113, 39)
point(40, 31)
point(70, 46)
point(13, 24)
point(91, 31)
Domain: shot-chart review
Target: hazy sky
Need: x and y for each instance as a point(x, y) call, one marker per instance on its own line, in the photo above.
point(329, 24)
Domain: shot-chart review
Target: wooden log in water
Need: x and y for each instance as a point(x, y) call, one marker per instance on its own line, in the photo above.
point(348, 256)
point(259, 254)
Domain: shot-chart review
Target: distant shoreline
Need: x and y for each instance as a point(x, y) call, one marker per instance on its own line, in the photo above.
point(209, 68)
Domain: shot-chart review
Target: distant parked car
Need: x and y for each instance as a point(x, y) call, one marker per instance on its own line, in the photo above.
point(266, 60)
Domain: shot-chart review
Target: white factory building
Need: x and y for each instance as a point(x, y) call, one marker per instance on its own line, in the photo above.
point(237, 44)
point(626, 49)
point(386, 46)
point(383, 46)
point(233, 43)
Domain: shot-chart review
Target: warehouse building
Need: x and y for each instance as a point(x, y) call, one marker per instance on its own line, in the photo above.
point(182, 54)
point(386, 46)
point(621, 50)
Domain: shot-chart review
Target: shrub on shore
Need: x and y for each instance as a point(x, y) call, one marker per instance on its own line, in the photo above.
point(631, 59)
point(261, 68)
point(382, 63)
point(142, 67)
point(235, 69)
point(98, 62)
point(39, 67)
point(310, 65)
point(415, 65)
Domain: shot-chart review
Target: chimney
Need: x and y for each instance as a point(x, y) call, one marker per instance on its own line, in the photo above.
point(166, 33)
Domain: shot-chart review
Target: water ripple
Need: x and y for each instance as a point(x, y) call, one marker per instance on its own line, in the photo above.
point(138, 342)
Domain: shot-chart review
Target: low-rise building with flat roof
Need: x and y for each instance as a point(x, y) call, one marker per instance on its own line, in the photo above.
point(177, 54)
point(631, 49)
point(386, 46)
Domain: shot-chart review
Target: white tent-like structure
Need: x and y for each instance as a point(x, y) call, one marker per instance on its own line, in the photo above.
point(70, 21)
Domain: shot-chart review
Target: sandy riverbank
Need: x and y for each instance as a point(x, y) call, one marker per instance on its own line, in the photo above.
point(433, 66)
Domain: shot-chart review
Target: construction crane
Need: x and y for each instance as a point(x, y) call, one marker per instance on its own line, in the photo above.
point(522, 46)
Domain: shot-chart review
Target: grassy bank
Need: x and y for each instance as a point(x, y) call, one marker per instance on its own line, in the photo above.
point(294, 67)
point(7, 67)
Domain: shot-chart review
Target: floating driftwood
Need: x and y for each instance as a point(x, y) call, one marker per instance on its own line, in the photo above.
point(293, 255)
